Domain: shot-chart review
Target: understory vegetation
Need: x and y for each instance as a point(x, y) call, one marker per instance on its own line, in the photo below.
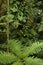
point(21, 32)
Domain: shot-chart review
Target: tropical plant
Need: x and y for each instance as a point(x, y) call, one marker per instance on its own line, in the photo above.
point(20, 54)
point(21, 32)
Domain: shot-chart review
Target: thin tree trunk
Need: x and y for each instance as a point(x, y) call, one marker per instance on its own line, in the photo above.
point(7, 24)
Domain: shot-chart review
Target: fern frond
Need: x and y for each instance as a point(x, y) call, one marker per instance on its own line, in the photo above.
point(33, 49)
point(17, 63)
point(15, 47)
point(33, 61)
point(6, 58)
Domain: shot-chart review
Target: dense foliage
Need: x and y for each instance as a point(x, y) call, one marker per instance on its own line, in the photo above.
point(25, 19)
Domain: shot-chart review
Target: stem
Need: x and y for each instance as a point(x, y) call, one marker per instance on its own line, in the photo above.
point(7, 24)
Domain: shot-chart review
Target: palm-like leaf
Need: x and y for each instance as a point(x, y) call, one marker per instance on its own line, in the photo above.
point(7, 57)
point(33, 61)
point(15, 47)
point(33, 49)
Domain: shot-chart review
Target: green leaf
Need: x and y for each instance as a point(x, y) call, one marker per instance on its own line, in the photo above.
point(18, 63)
point(15, 47)
point(6, 58)
point(33, 61)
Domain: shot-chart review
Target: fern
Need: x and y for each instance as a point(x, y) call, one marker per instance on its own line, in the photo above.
point(20, 55)
point(17, 63)
point(15, 47)
point(6, 58)
point(33, 49)
point(33, 61)
point(21, 19)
